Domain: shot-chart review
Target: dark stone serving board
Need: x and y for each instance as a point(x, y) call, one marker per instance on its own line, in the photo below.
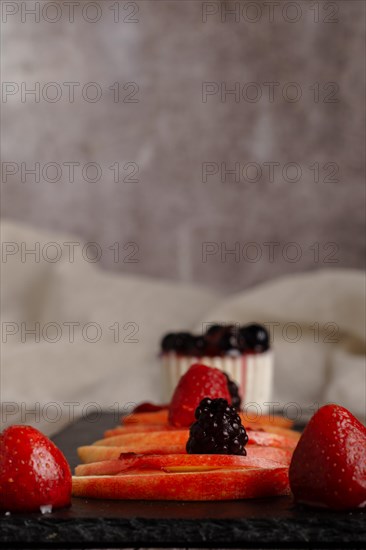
point(262, 523)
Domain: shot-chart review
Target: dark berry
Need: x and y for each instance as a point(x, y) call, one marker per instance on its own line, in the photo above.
point(214, 332)
point(168, 342)
point(229, 340)
point(217, 430)
point(180, 342)
point(242, 342)
point(183, 342)
point(256, 337)
point(234, 392)
point(212, 337)
point(199, 346)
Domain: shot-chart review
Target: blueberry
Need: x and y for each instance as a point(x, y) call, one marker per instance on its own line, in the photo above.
point(255, 336)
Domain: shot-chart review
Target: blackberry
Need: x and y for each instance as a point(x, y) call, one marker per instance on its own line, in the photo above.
point(256, 337)
point(217, 430)
point(234, 392)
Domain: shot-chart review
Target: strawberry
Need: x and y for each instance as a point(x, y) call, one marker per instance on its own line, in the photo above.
point(33, 471)
point(198, 382)
point(328, 467)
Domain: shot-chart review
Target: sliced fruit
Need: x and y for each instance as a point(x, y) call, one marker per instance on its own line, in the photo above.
point(155, 439)
point(271, 439)
point(144, 428)
point(282, 455)
point(136, 428)
point(268, 419)
point(161, 417)
point(180, 462)
point(158, 417)
point(286, 432)
point(228, 484)
point(94, 453)
point(328, 467)
point(108, 467)
point(133, 442)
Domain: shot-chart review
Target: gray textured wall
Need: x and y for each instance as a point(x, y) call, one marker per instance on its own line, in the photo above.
point(170, 132)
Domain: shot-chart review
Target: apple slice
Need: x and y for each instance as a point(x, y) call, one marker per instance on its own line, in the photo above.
point(267, 439)
point(161, 417)
point(225, 484)
point(144, 428)
point(268, 419)
point(180, 437)
point(172, 437)
point(95, 453)
point(182, 462)
point(286, 432)
point(282, 455)
point(158, 417)
point(137, 428)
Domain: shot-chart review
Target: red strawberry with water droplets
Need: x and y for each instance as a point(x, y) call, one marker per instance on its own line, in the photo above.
point(328, 467)
point(33, 471)
point(197, 383)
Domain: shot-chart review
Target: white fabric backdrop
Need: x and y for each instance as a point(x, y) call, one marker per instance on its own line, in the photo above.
point(47, 384)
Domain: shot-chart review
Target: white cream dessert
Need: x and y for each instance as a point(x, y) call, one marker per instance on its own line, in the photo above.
point(243, 353)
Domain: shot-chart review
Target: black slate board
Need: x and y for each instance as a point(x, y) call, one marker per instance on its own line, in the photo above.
point(267, 523)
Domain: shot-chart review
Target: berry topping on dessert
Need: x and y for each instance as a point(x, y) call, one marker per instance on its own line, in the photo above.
point(214, 332)
point(183, 342)
point(199, 381)
point(254, 337)
point(243, 352)
point(228, 342)
point(218, 340)
point(199, 345)
point(34, 474)
point(217, 430)
point(328, 467)
point(168, 342)
point(234, 392)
